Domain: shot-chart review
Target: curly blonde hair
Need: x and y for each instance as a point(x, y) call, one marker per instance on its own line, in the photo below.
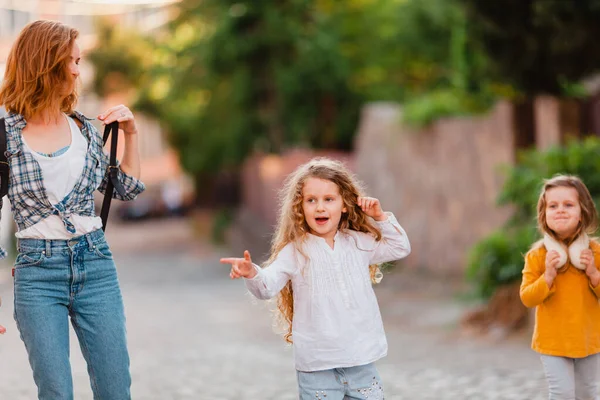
point(293, 228)
point(36, 67)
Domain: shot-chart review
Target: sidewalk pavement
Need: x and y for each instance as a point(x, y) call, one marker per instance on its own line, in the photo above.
point(194, 334)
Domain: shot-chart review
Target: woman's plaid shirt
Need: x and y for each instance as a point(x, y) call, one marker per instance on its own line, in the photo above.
point(27, 194)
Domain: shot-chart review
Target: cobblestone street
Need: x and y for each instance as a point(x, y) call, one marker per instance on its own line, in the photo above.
point(196, 335)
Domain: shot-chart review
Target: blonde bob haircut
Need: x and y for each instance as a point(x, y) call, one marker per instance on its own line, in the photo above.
point(36, 70)
point(589, 216)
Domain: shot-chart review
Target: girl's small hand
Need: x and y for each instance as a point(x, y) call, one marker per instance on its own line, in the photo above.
point(371, 207)
point(121, 114)
point(552, 260)
point(587, 259)
point(241, 267)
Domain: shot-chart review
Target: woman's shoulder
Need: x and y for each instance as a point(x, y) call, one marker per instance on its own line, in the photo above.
point(87, 128)
point(79, 117)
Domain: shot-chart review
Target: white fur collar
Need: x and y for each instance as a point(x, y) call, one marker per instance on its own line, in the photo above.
point(574, 250)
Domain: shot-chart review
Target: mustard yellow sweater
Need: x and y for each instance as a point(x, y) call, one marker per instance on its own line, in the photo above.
point(567, 315)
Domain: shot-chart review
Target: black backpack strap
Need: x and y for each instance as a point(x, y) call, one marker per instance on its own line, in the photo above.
point(113, 170)
point(4, 169)
point(113, 183)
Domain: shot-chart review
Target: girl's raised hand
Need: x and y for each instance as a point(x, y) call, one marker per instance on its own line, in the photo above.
point(552, 260)
point(371, 207)
point(241, 267)
point(587, 259)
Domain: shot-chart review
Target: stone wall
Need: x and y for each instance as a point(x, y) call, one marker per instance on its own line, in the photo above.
point(441, 182)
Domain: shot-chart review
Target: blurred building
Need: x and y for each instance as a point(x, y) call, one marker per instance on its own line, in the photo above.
point(160, 165)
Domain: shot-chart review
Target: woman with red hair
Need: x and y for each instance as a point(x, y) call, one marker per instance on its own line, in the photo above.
point(64, 268)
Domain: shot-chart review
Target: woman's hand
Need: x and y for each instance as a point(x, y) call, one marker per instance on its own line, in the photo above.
point(241, 267)
point(587, 259)
point(552, 260)
point(123, 115)
point(371, 207)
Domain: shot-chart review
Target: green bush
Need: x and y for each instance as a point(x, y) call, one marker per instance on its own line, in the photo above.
point(498, 258)
point(222, 221)
point(425, 109)
point(524, 182)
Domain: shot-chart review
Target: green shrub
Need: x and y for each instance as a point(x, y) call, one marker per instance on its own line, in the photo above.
point(498, 259)
point(222, 221)
point(524, 181)
point(425, 109)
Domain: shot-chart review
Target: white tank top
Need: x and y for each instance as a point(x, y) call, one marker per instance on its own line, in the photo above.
point(60, 174)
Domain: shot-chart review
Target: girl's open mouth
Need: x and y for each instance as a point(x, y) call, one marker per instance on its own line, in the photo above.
point(321, 220)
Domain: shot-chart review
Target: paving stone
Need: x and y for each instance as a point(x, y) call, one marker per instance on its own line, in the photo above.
point(196, 335)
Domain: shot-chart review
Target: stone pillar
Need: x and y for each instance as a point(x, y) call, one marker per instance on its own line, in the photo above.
point(555, 120)
point(547, 122)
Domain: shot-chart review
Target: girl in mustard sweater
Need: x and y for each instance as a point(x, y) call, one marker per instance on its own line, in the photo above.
point(561, 279)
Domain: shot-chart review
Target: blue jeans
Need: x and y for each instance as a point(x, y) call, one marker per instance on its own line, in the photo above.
point(361, 382)
point(77, 278)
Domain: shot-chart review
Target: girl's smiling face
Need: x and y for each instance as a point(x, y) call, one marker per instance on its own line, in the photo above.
point(323, 206)
point(563, 211)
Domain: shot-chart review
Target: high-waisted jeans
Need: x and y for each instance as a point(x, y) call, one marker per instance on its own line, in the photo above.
point(58, 279)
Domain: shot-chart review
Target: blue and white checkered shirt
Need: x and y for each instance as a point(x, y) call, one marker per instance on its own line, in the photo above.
point(27, 194)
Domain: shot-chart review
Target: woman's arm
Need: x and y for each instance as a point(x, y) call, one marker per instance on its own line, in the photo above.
point(130, 164)
point(3, 253)
point(129, 167)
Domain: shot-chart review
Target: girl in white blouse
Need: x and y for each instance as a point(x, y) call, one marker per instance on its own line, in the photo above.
point(324, 257)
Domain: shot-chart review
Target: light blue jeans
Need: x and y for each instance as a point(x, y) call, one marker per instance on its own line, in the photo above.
point(77, 278)
point(361, 382)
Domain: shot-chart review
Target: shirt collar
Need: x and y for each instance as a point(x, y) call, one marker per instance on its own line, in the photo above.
point(312, 236)
point(81, 116)
point(15, 120)
point(18, 120)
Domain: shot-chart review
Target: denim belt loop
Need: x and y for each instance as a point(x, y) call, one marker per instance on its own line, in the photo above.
point(91, 244)
point(48, 248)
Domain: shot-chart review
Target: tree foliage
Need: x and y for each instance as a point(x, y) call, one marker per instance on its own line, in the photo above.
point(538, 45)
point(227, 77)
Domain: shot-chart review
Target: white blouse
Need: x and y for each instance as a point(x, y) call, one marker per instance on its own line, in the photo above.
point(336, 321)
